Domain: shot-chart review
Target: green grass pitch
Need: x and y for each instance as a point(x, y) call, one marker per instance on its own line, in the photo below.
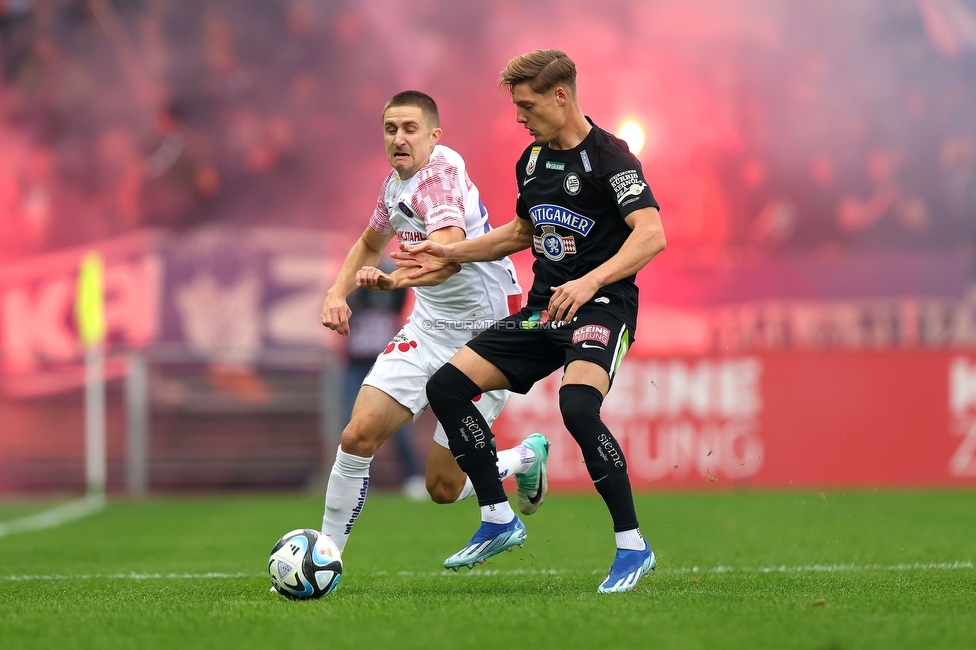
point(735, 570)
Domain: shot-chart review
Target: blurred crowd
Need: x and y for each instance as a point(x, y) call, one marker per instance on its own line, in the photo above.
point(829, 126)
point(868, 141)
point(162, 113)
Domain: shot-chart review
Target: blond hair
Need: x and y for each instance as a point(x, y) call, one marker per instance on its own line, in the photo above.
point(543, 70)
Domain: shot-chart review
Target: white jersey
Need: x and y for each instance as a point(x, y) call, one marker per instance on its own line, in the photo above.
point(440, 195)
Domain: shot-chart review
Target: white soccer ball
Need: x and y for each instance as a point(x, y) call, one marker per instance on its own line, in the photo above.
point(305, 564)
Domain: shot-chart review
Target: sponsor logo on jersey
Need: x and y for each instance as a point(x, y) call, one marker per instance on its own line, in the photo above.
point(410, 236)
point(555, 164)
point(586, 161)
point(552, 245)
point(603, 300)
point(572, 184)
point(533, 157)
point(627, 186)
point(405, 209)
point(560, 216)
point(400, 342)
point(596, 333)
point(528, 180)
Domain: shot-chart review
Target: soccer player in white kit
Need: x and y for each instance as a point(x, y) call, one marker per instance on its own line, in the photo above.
point(427, 195)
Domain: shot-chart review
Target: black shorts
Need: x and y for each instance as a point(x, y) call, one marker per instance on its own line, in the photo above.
point(526, 349)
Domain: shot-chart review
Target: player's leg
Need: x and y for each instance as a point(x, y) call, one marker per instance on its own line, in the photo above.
point(445, 480)
point(375, 417)
point(446, 483)
point(450, 391)
point(525, 461)
point(392, 394)
point(584, 386)
point(513, 354)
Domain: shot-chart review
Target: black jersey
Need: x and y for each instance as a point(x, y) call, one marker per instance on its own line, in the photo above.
point(577, 200)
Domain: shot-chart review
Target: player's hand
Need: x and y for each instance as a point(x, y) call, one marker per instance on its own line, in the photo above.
point(373, 279)
point(425, 257)
point(569, 297)
point(335, 314)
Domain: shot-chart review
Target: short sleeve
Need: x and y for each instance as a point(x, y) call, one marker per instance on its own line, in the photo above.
point(521, 210)
point(380, 221)
point(629, 188)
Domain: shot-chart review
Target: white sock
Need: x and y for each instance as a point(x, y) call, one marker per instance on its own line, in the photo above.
point(516, 460)
point(345, 495)
point(630, 539)
point(497, 513)
point(466, 491)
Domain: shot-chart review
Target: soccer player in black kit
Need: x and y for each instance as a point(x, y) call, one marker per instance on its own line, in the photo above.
point(592, 222)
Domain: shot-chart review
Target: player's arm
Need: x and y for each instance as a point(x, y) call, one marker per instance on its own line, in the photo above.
point(376, 280)
point(365, 252)
point(644, 242)
point(429, 256)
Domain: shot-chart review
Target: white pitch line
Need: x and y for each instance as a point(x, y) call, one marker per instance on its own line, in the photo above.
point(133, 576)
point(832, 568)
point(720, 569)
point(810, 568)
point(54, 517)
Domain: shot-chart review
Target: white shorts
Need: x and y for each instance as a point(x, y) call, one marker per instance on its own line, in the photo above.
point(402, 370)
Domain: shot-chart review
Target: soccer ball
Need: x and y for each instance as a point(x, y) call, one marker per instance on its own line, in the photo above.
point(305, 564)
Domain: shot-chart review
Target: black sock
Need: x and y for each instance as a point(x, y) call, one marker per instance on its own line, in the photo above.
point(450, 392)
point(580, 408)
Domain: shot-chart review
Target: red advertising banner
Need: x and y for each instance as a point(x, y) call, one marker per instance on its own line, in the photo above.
point(40, 352)
point(802, 419)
